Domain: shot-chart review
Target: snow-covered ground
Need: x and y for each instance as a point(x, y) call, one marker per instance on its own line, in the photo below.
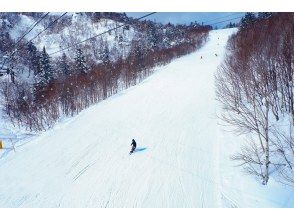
point(182, 158)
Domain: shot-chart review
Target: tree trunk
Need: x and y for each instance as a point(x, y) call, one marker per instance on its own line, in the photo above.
point(266, 162)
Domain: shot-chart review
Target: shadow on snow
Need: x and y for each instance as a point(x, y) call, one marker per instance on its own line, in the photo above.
point(138, 149)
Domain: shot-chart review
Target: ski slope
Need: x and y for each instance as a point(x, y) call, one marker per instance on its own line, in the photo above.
point(182, 157)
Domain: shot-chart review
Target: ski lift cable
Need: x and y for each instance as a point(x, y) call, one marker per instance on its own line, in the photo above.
point(32, 27)
point(223, 17)
point(67, 48)
point(26, 33)
point(48, 26)
point(53, 22)
point(97, 35)
point(231, 19)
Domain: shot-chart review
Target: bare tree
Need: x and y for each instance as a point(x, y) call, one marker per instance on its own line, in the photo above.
point(255, 87)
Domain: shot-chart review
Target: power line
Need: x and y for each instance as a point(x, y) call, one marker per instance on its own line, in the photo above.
point(26, 33)
point(48, 26)
point(223, 17)
point(225, 20)
point(9, 58)
point(67, 48)
point(32, 27)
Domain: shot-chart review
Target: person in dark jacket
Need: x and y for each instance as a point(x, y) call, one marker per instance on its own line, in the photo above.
point(134, 145)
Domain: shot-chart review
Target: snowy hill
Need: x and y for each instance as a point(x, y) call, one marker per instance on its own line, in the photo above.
point(73, 27)
point(182, 157)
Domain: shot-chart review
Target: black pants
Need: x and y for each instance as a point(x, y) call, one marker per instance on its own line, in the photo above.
point(133, 149)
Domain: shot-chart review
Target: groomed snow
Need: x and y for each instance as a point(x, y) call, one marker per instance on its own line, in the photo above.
point(182, 158)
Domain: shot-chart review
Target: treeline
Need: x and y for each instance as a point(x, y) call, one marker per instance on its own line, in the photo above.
point(255, 86)
point(64, 87)
point(73, 27)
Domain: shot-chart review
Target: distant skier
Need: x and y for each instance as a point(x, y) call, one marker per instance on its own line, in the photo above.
point(134, 145)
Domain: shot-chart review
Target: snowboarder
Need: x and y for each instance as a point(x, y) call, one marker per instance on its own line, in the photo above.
point(134, 145)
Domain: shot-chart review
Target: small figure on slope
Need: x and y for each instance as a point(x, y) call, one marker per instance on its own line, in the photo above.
point(134, 145)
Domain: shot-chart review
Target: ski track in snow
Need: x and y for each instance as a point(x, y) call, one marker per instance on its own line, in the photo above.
point(184, 157)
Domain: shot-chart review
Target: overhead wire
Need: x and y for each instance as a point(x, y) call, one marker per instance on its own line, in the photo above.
point(223, 17)
point(32, 27)
point(67, 48)
point(29, 29)
point(48, 26)
point(97, 35)
point(149, 14)
point(225, 20)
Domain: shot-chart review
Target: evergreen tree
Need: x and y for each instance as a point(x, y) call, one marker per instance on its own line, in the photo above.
point(153, 38)
point(138, 52)
point(264, 15)
point(105, 55)
point(230, 25)
point(35, 64)
point(120, 39)
point(47, 71)
point(5, 39)
point(64, 67)
point(80, 62)
point(248, 19)
point(169, 35)
point(34, 59)
point(6, 42)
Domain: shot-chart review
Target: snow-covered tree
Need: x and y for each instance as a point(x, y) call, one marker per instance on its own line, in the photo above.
point(47, 71)
point(64, 67)
point(138, 52)
point(231, 25)
point(6, 41)
point(105, 54)
point(264, 15)
point(248, 19)
point(153, 37)
point(34, 59)
point(80, 62)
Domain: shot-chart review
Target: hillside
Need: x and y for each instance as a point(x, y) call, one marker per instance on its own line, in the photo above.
point(68, 66)
point(69, 29)
point(182, 158)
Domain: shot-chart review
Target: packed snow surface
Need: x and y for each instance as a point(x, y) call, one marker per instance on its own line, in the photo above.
point(182, 157)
